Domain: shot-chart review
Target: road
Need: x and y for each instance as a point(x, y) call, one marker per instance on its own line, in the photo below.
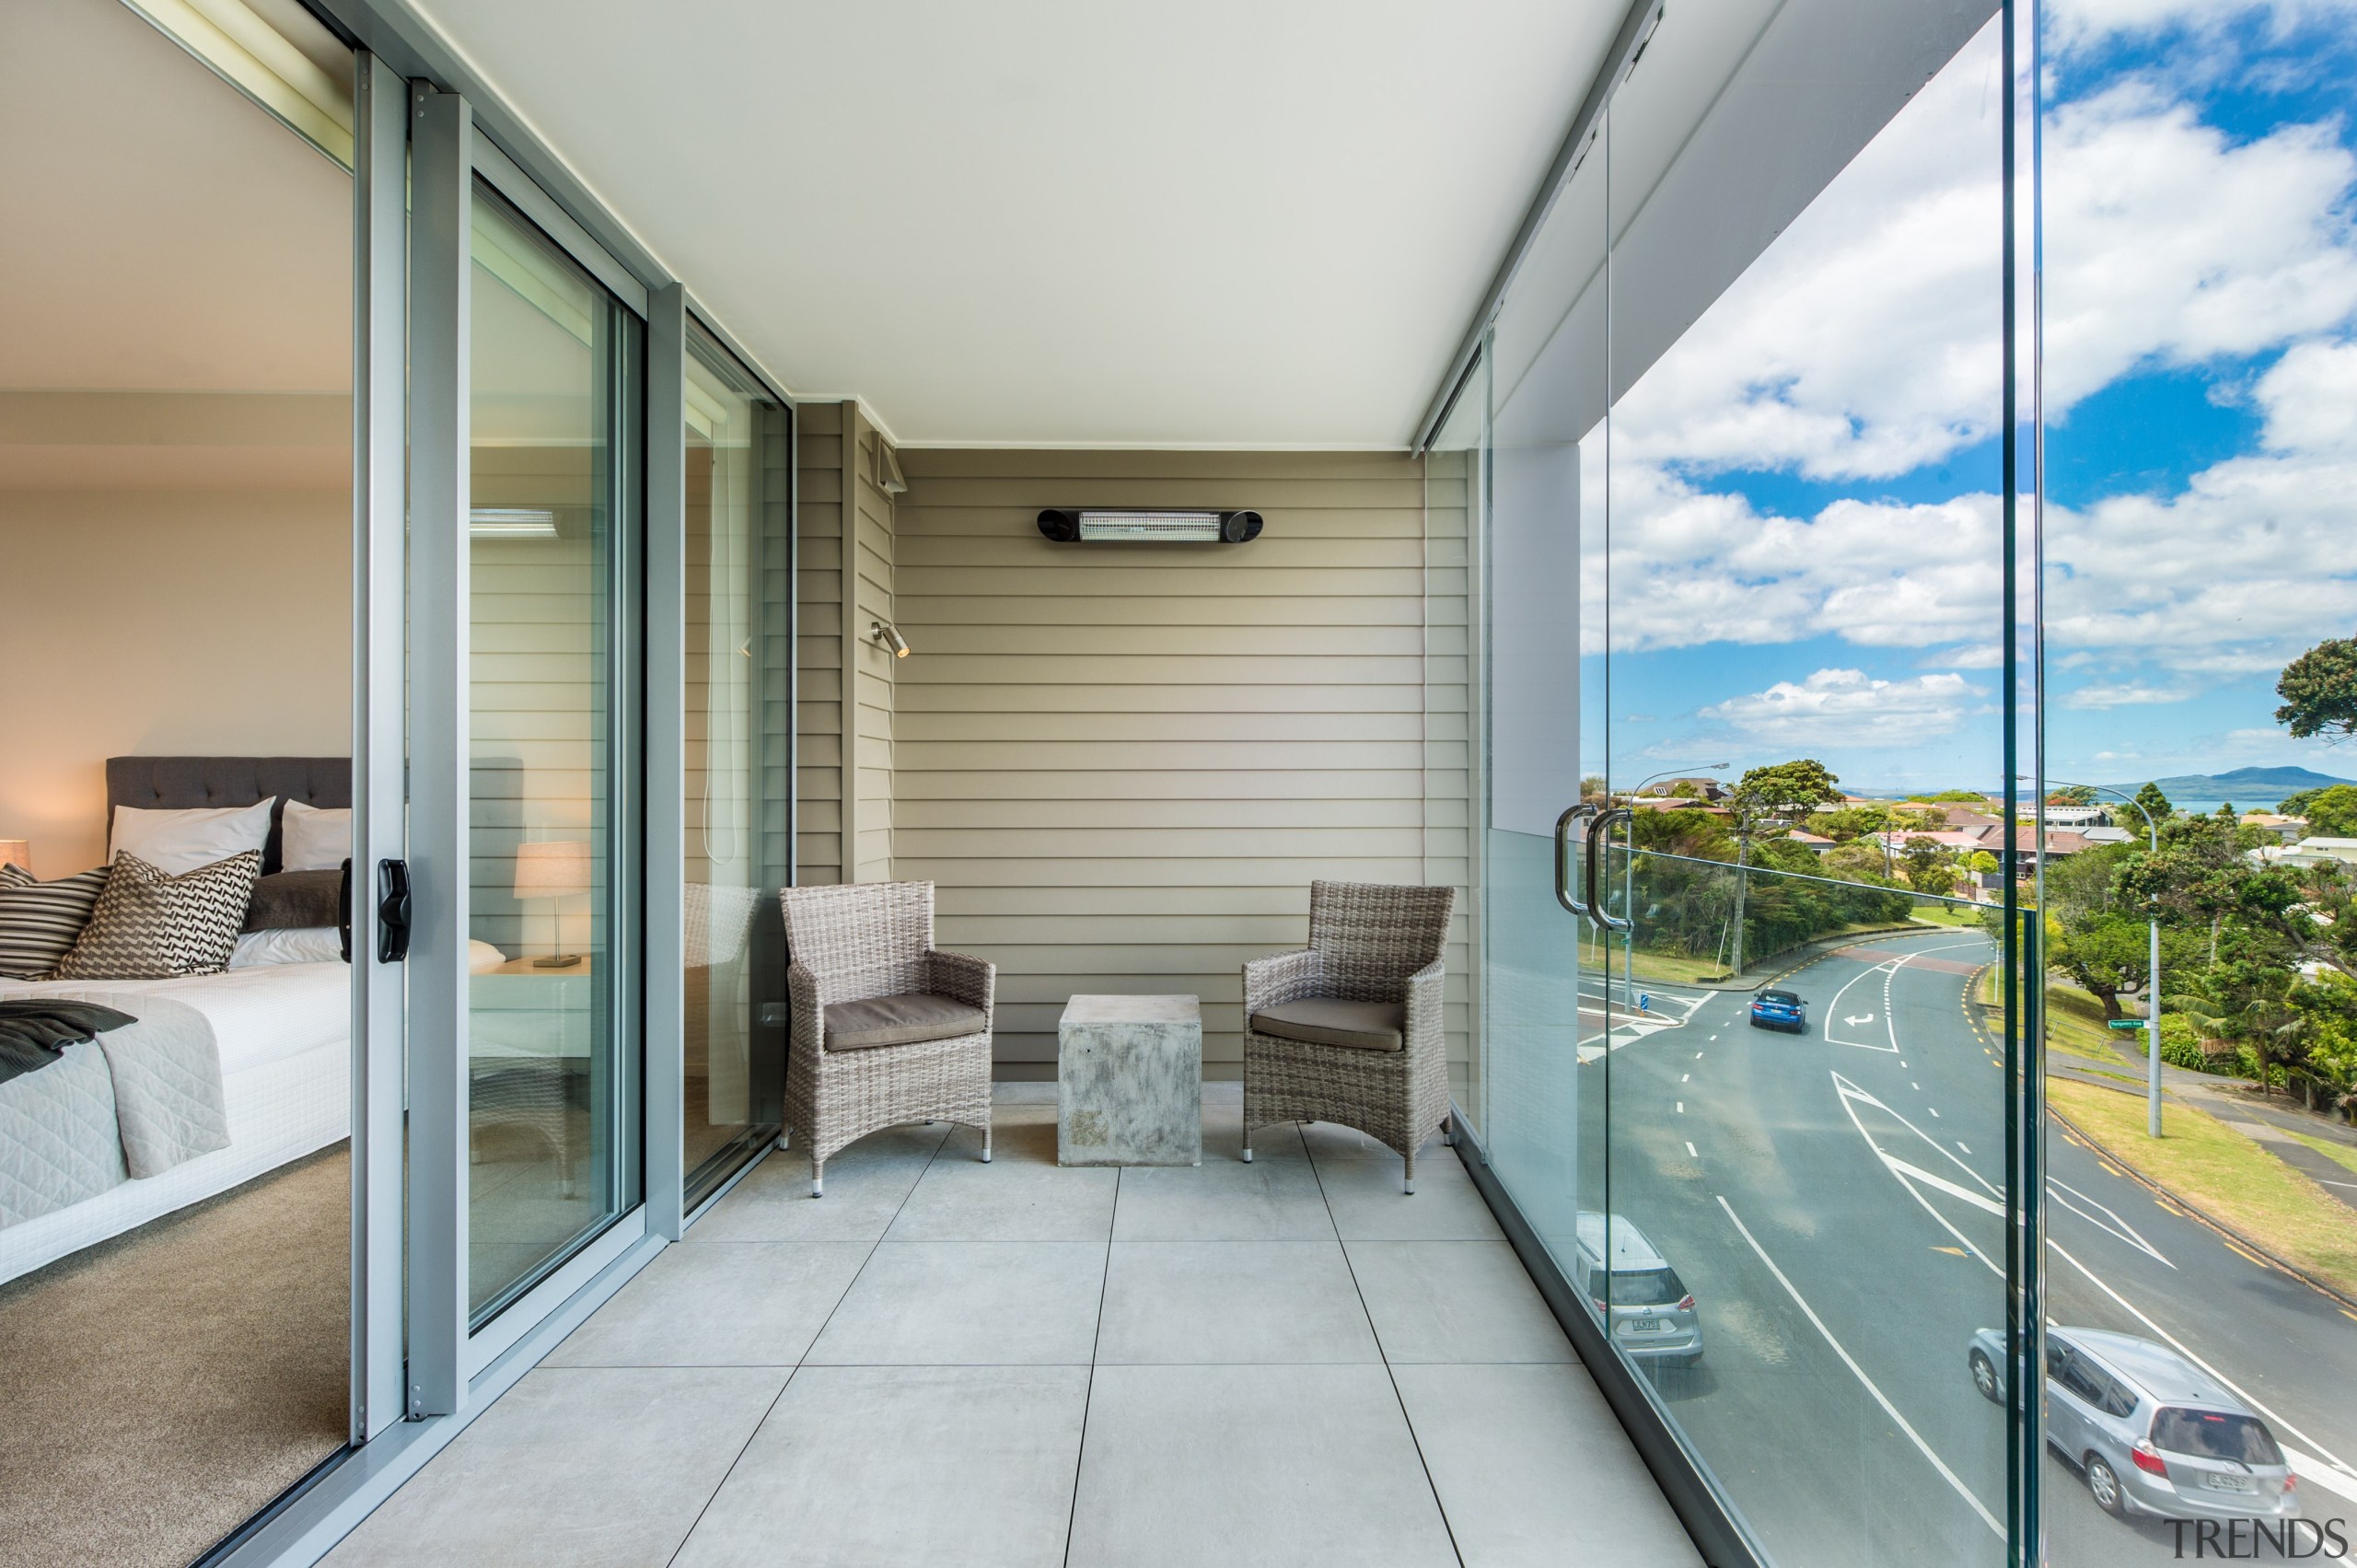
point(1834, 1203)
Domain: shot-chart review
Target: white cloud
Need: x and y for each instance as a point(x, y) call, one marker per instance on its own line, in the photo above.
point(1847, 707)
point(2129, 693)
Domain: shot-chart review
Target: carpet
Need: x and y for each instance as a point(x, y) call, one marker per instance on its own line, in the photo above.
point(161, 1387)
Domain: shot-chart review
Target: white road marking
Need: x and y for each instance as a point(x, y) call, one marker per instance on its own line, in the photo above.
point(1698, 1056)
point(1933, 1109)
point(1682, 1077)
point(1916, 1087)
point(2079, 1203)
point(1690, 1150)
point(1847, 1360)
point(1962, 1144)
point(1681, 1107)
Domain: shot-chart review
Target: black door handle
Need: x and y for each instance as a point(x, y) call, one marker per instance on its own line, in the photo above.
point(1563, 894)
point(344, 908)
point(392, 910)
point(1599, 906)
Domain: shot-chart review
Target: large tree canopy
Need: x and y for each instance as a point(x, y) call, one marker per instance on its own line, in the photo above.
point(1805, 783)
point(2319, 691)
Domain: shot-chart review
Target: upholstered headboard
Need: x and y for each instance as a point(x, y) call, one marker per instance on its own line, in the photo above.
point(182, 784)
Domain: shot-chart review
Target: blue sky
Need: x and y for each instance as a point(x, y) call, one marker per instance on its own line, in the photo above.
point(1806, 549)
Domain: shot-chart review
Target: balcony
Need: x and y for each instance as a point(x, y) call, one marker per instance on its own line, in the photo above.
point(943, 1361)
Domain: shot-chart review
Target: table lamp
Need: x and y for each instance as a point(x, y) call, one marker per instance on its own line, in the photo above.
point(552, 871)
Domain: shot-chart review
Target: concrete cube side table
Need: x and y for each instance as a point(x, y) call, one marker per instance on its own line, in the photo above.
point(1130, 1081)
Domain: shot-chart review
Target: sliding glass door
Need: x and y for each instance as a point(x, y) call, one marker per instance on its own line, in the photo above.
point(736, 786)
point(551, 1044)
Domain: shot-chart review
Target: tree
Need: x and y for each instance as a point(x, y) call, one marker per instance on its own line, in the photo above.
point(1592, 787)
point(2319, 691)
point(2073, 794)
point(2151, 799)
point(1804, 783)
point(1927, 867)
point(2104, 953)
point(2331, 812)
point(1981, 863)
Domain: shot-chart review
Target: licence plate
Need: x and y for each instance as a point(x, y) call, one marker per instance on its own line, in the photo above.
point(2219, 1481)
point(1646, 1325)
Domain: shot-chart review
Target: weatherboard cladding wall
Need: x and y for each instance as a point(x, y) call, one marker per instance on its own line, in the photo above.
point(846, 541)
point(1123, 765)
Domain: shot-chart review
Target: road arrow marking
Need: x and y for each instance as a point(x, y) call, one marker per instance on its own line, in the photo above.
point(1867, 1019)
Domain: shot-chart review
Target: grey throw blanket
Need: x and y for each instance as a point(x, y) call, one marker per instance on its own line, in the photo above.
point(35, 1030)
point(166, 1073)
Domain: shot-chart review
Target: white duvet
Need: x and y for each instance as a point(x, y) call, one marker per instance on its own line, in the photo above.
point(258, 1016)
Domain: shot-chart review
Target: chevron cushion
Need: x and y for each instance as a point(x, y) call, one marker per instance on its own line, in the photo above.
point(39, 920)
point(151, 925)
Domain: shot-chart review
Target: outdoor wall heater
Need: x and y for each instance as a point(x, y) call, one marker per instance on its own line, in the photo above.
point(1107, 527)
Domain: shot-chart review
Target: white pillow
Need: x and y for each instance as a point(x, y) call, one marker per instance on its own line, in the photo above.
point(316, 838)
point(482, 957)
point(291, 944)
point(179, 841)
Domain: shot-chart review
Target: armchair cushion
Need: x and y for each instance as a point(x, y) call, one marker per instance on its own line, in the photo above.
point(899, 1020)
point(1320, 1020)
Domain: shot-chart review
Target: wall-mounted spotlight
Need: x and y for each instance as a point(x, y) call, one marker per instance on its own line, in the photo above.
point(1106, 527)
point(885, 636)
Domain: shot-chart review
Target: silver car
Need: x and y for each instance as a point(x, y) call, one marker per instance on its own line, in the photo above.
point(2153, 1433)
point(1651, 1312)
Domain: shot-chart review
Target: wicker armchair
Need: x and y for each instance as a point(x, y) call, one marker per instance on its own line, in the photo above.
point(1350, 1028)
point(885, 1030)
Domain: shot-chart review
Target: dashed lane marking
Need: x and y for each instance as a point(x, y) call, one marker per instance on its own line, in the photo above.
point(1690, 1150)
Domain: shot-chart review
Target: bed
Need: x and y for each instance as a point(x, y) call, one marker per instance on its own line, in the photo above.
point(282, 1034)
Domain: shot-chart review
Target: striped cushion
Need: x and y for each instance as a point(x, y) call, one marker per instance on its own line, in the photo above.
point(39, 921)
point(151, 925)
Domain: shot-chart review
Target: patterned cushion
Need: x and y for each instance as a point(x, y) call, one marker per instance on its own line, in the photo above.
point(151, 925)
point(39, 920)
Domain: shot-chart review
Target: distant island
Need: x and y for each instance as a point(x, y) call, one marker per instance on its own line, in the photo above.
point(2244, 786)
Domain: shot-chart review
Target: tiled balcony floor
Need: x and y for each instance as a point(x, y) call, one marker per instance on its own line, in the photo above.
point(945, 1361)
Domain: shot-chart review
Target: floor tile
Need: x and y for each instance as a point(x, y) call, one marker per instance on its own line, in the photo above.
point(1008, 1199)
point(969, 1302)
point(1455, 1301)
point(1271, 1199)
point(1232, 1301)
point(1022, 1133)
point(1332, 1141)
point(1210, 1466)
point(1527, 1458)
point(723, 1304)
point(864, 1190)
point(1369, 1205)
point(861, 1466)
point(574, 1467)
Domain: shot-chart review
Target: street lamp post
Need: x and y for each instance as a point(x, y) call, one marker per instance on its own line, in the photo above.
point(1629, 873)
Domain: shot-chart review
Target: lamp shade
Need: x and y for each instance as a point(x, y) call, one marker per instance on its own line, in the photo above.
point(550, 870)
point(16, 851)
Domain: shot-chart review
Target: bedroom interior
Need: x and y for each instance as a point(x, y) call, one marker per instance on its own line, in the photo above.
point(175, 462)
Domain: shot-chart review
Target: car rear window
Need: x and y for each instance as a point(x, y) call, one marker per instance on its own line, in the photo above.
point(1646, 1287)
point(1786, 997)
point(2212, 1434)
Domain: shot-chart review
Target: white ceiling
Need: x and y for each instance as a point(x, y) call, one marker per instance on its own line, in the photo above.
point(1230, 223)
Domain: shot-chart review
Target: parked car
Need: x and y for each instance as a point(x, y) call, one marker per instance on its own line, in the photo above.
point(1779, 1010)
point(1650, 1313)
point(2151, 1433)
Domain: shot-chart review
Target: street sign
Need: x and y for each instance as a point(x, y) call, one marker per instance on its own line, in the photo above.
point(2129, 1024)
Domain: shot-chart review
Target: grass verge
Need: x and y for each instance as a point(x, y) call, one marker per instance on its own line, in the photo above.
point(2221, 1173)
point(2074, 1023)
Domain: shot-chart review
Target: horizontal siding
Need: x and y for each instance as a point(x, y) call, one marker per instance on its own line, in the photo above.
point(819, 644)
point(1123, 766)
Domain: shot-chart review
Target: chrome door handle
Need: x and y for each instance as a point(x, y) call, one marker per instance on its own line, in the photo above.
point(1563, 859)
point(1597, 910)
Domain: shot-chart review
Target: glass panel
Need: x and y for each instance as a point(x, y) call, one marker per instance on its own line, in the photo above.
point(1542, 974)
point(1455, 477)
point(1802, 617)
point(551, 1065)
point(739, 665)
point(2201, 579)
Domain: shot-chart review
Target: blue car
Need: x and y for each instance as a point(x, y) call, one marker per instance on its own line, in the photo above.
point(1779, 1010)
